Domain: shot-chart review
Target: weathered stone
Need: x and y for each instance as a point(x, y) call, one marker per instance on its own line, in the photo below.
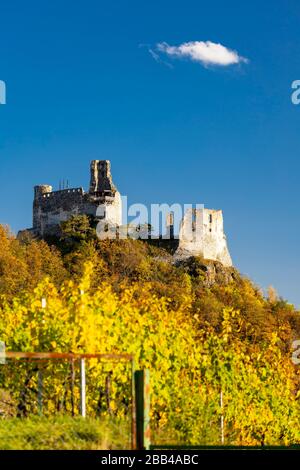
point(201, 231)
point(201, 234)
point(50, 208)
point(207, 272)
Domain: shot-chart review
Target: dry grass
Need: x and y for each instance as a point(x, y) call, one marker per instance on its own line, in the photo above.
point(63, 432)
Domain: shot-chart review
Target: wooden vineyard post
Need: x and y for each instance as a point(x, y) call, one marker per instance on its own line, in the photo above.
point(72, 385)
point(142, 399)
point(82, 388)
point(133, 405)
point(40, 391)
point(222, 418)
point(2, 352)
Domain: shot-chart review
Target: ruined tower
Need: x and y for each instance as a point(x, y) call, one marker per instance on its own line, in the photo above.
point(101, 179)
point(202, 234)
point(103, 201)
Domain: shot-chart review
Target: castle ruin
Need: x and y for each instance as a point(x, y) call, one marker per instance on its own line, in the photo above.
point(201, 230)
point(50, 208)
point(202, 233)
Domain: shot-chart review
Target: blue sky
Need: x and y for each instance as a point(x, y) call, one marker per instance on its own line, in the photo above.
point(82, 85)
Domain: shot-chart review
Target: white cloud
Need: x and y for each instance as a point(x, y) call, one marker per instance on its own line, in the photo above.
point(205, 52)
point(158, 59)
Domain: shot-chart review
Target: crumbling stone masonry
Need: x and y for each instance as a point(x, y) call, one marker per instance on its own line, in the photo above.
point(201, 230)
point(201, 233)
point(50, 208)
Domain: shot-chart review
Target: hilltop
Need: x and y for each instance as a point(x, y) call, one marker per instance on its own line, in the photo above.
point(200, 328)
point(210, 286)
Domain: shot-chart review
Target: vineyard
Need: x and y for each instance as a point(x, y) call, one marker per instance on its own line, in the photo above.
point(197, 340)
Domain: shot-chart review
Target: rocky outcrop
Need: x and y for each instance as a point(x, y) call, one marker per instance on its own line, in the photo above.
point(208, 272)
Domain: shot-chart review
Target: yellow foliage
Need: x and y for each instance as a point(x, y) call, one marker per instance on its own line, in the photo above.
point(189, 365)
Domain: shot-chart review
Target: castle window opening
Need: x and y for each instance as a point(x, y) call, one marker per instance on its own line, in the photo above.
point(194, 220)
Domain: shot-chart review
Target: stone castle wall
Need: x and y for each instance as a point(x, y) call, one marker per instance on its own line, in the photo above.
point(201, 231)
point(50, 208)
